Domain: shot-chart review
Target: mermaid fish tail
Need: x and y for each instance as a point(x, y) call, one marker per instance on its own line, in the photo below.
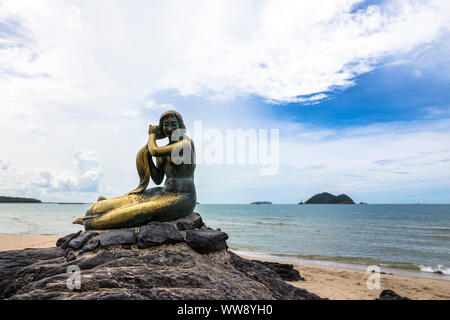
point(131, 210)
point(166, 207)
point(80, 220)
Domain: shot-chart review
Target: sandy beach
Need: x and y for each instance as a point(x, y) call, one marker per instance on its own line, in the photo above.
point(22, 241)
point(329, 282)
point(349, 284)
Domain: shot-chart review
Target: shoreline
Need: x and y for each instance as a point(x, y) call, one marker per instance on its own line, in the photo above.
point(336, 281)
point(343, 265)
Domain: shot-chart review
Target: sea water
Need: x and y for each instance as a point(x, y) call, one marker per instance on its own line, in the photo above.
point(406, 236)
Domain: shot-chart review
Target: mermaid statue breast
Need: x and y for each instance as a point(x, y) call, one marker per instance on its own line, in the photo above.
point(177, 199)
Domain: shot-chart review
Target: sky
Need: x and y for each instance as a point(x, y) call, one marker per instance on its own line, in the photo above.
point(357, 91)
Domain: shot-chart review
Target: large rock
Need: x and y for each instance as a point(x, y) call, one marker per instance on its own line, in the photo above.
point(79, 241)
point(118, 236)
point(157, 233)
point(69, 254)
point(164, 265)
point(285, 271)
point(183, 226)
point(206, 240)
point(67, 238)
point(11, 262)
point(167, 271)
point(91, 245)
point(391, 295)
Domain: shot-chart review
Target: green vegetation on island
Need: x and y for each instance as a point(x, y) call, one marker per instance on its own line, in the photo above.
point(18, 200)
point(328, 198)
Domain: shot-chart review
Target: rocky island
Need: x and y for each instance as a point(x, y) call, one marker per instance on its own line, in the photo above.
point(328, 198)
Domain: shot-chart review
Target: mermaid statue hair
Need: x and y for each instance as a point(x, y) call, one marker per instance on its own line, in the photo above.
point(143, 157)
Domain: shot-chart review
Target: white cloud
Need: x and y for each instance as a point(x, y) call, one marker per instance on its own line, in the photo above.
point(45, 180)
point(418, 73)
point(398, 157)
point(276, 50)
point(150, 104)
point(90, 170)
point(83, 179)
point(132, 113)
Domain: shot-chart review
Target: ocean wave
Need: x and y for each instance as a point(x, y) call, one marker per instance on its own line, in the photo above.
point(438, 236)
point(412, 227)
point(438, 269)
point(443, 229)
point(353, 260)
point(272, 223)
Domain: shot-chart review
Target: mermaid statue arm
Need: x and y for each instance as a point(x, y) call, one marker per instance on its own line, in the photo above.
point(157, 151)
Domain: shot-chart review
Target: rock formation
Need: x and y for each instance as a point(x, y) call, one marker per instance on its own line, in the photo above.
point(181, 259)
point(391, 295)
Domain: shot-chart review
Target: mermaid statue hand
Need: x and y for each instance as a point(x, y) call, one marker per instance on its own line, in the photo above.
point(152, 129)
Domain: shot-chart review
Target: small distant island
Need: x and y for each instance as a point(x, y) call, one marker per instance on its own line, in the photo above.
point(72, 203)
point(328, 198)
point(261, 202)
point(18, 200)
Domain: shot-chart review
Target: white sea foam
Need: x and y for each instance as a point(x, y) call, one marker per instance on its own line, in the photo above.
point(439, 268)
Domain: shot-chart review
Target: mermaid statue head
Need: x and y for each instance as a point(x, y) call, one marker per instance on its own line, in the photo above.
point(169, 122)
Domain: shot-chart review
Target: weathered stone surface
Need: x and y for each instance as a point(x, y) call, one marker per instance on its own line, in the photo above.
point(168, 271)
point(119, 236)
point(391, 295)
point(206, 240)
point(285, 271)
point(91, 245)
point(13, 261)
point(69, 254)
point(69, 238)
point(198, 222)
point(157, 233)
point(182, 226)
point(64, 239)
point(80, 241)
point(259, 272)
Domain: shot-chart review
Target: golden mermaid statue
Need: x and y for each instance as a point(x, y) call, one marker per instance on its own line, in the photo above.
point(175, 200)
